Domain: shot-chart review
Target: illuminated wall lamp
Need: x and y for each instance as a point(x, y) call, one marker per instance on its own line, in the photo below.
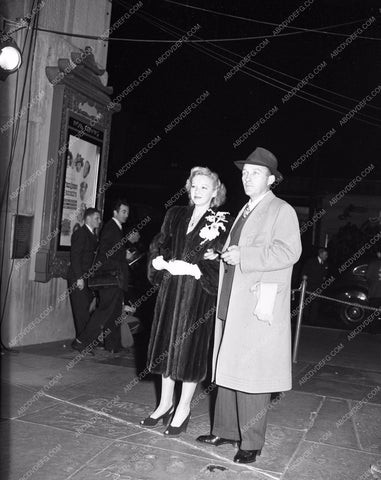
point(10, 57)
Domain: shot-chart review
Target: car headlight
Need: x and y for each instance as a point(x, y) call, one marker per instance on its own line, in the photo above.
point(360, 270)
point(356, 295)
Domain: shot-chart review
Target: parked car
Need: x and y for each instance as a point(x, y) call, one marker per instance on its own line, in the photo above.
point(351, 286)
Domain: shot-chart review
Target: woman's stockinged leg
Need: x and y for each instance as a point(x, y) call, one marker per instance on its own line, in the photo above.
point(183, 408)
point(166, 397)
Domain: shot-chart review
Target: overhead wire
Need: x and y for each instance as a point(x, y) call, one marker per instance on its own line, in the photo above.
point(159, 40)
point(227, 62)
point(199, 40)
point(308, 94)
point(147, 40)
point(205, 40)
point(300, 29)
point(295, 78)
point(311, 84)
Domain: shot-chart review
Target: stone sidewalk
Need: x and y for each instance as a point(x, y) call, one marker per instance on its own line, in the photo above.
point(67, 419)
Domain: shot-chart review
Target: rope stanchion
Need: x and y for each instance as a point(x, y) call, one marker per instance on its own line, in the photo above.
point(302, 289)
point(365, 307)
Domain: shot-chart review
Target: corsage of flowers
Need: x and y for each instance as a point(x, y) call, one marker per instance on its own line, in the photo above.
point(213, 228)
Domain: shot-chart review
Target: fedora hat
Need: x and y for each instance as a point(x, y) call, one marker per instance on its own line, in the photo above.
point(262, 157)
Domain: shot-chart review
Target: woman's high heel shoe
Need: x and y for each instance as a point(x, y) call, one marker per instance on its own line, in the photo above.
point(173, 431)
point(152, 422)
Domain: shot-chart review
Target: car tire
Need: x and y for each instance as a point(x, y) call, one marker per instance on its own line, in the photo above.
point(352, 316)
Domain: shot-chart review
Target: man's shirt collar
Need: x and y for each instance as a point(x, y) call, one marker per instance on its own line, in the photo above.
point(254, 203)
point(118, 223)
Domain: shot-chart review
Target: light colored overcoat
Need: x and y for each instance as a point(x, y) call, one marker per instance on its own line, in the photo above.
point(251, 355)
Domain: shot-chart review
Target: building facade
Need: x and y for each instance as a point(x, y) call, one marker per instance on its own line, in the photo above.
point(30, 311)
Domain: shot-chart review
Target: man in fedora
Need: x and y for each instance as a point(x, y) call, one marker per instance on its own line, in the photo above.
point(252, 346)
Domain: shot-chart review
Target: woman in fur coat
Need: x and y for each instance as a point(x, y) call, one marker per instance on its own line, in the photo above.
point(185, 306)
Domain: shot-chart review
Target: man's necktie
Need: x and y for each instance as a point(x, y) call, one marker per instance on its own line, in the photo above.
point(246, 211)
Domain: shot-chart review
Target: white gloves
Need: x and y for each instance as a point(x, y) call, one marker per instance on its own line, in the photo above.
point(159, 263)
point(177, 267)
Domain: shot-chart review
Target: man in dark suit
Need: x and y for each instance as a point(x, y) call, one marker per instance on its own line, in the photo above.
point(84, 243)
point(111, 256)
point(316, 269)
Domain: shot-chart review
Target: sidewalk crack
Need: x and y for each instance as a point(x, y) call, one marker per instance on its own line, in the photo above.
point(313, 416)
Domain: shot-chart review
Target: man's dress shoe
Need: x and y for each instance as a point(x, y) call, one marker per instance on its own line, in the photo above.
point(246, 456)
point(213, 440)
point(80, 347)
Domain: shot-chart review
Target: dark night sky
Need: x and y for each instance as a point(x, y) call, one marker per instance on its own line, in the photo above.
point(206, 136)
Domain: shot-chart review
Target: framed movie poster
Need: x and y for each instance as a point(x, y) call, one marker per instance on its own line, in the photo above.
point(81, 181)
point(78, 154)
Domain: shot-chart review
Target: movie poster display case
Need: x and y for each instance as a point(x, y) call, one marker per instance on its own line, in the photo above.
point(77, 157)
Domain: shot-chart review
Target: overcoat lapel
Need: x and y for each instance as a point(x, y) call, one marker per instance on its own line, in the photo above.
point(253, 217)
point(257, 214)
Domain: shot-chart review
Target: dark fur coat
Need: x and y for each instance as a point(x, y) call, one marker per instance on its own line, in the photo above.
point(185, 307)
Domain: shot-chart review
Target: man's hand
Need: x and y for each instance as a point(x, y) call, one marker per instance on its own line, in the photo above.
point(129, 255)
point(81, 283)
point(134, 236)
point(232, 255)
point(129, 309)
point(210, 254)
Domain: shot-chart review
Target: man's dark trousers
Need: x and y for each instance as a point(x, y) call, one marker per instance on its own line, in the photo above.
point(112, 256)
point(83, 246)
point(80, 304)
point(106, 318)
point(247, 420)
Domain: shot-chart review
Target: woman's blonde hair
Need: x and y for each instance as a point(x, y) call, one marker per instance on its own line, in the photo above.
point(220, 197)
